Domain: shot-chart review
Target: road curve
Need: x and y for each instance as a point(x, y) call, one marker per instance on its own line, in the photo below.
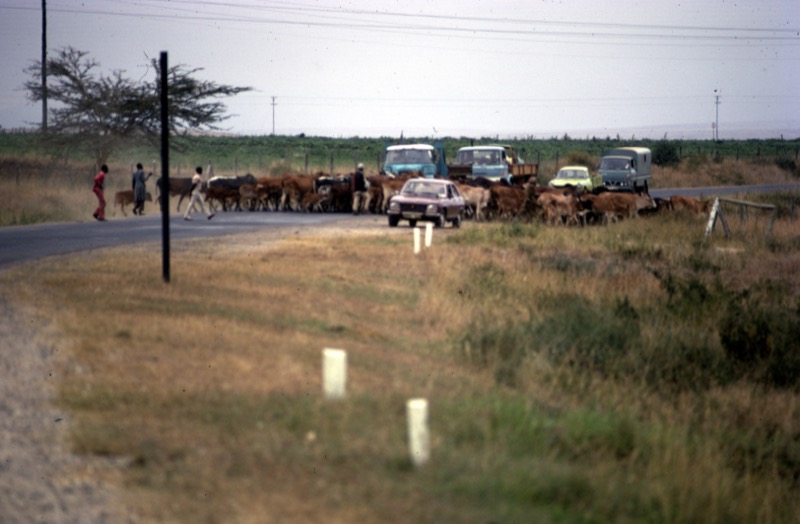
point(21, 244)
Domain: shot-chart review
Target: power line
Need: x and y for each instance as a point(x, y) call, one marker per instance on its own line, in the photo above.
point(772, 36)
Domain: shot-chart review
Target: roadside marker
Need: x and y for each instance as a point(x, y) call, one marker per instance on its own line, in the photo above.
point(418, 435)
point(334, 373)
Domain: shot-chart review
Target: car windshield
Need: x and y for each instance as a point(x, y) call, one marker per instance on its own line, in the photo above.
point(409, 156)
point(421, 187)
point(612, 162)
point(571, 173)
point(487, 157)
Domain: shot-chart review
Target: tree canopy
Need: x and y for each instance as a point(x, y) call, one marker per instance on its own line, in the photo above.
point(98, 112)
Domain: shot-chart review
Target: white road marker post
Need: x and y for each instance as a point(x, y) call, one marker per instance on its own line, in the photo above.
point(419, 440)
point(334, 373)
point(416, 241)
point(428, 234)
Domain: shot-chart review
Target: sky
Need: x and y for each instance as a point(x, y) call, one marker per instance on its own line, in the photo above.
point(444, 68)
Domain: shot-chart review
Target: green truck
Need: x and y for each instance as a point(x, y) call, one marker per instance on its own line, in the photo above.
point(626, 169)
point(424, 159)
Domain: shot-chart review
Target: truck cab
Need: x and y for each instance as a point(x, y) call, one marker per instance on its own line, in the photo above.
point(426, 159)
point(493, 162)
point(626, 169)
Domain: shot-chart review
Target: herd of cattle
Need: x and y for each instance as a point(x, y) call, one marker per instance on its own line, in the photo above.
point(485, 200)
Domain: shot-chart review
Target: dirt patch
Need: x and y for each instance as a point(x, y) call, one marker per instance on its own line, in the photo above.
point(40, 480)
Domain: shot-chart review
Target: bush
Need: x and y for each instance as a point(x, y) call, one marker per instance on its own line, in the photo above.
point(787, 164)
point(580, 158)
point(665, 153)
point(763, 341)
point(588, 337)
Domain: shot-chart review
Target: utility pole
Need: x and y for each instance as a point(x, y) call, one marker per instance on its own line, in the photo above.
point(44, 66)
point(716, 125)
point(273, 115)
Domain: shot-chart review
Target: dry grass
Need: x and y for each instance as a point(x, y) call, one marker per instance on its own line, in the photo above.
point(210, 386)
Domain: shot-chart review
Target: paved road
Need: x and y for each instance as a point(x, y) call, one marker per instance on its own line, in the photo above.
point(707, 192)
point(23, 243)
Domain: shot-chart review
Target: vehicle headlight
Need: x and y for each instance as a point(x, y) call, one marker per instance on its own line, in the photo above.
point(394, 207)
point(432, 210)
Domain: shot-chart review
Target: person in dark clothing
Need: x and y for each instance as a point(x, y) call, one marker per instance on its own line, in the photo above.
point(139, 190)
point(359, 187)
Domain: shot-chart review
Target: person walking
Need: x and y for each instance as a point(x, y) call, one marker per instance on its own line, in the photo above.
point(99, 186)
point(139, 190)
point(358, 186)
point(197, 195)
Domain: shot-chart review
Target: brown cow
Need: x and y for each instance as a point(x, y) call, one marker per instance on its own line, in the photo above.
point(294, 187)
point(692, 204)
point(248, 196)
point(269, 192)
point(508, 202)
point(125, 198)
point(559, 208)
point(375, 193)
point(612, 206)
point(316, 202)
point(226, 197)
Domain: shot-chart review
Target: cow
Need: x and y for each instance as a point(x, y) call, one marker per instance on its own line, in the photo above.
point(248, 196)
point(476, 199)
point(269, 192)
point(375, 191)
point(691, 204)
point(339, 195)
point(611, 206)
point(227, 198)
point(232, 182)
point(507, 202)
point(294, 187)
point(316, 202)
point(125, 198)
point(559, 207)
point(178, 186)
point(228, 186)
point(392, 187)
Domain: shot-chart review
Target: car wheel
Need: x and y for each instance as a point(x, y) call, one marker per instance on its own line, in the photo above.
point(439, 221)
point(457, 221)
point(394, 220)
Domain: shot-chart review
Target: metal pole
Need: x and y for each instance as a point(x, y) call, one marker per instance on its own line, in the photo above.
point(164, 167)
point(44, 66)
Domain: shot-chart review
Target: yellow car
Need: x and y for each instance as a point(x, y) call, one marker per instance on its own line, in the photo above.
point(576, 177)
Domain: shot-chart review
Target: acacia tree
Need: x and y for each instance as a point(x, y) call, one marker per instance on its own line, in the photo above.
point(97, 113)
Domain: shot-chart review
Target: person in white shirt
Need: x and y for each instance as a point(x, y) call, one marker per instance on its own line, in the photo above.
point(198, 196)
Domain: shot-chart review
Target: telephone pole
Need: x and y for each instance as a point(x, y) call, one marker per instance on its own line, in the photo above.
point(716, 125)
point(44, 66)
point(273, 115)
